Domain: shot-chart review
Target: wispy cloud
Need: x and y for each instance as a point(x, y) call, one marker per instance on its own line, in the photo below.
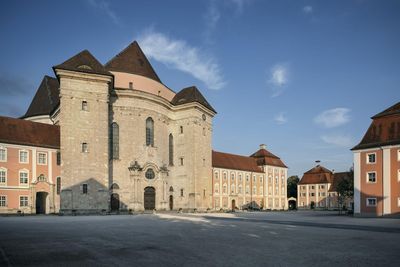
point(211, 18)
point(104, 6)
point(280, 118)
point(239, 5)
point(177, 54)
point(278, 77)
point(333, 117)
point(308, 9)
point(338, 140)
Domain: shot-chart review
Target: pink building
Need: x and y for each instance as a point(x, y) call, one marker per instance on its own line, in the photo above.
point(29, 166)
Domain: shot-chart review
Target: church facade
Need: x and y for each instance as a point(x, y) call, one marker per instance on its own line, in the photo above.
point(127, 141)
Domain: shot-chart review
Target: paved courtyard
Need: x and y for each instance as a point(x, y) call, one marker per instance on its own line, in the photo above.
point(170, 239)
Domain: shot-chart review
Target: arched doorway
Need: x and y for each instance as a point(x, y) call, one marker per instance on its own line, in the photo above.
point(41, 202)
point(171, 202)
point(233, 204)
point(149, 198)
point(114, 202)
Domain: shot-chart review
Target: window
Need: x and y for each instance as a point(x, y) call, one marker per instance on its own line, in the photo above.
point(254, 178)
point(58, 185)
point(3, 176)
point(150, 174)
point(312, 194)
point(114, 140)
point(216, 188)
point(42, 158)
point(232, 176)
point(254, 190)
point(240, 178)
point(323, 194)
point(182, 192)
point(23, 178)
point(58, 158)
point(23, 156)
point(181, 129)
point(233, 189)
point(240, 189)
point(247, 189)
point(322, 187)
point(85, 148)
point(84, 105)
point(3, 201)
point(41, 178)
point(181, 159)
point(23, 201)
point(261, 179)
point(371, 177)
point(130, 85)
point(224, 189)
point(224, 175)
point(282, 190)
point(3, 154)
point(216, 175)
point(84, 188)
point(261, 191)
point(171, 149)
point(371, 202)
point(149, 132)
point(247, 178)
point(371, 158)
point(204, 131)
point(204, 162)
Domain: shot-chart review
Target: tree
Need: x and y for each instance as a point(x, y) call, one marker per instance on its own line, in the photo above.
point(345, 189)
point(292, 182)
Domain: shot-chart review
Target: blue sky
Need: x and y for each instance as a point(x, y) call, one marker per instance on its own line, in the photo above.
point(303, 77)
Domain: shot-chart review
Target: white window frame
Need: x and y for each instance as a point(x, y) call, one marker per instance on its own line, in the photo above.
point(2, 169)
point(367, 159)
point(27, 201)
point(367, 202)
point(38, 158)
point(5, 201)
point(368, 181)
point(27, 176)
point(27, 156)
point(5, 154)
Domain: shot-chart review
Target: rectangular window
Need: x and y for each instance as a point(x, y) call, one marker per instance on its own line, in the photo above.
point(181, 192)
point(23, 201)
point(371, 177)
point(371, 158)
point(84, 105)
point(23, 156)
point(85, 148)
point(58, 158)
point(23, 178)
point(312, 194)
point(371, 202)
point(58, 185)
point(261, 179)
point(3, 201)
point(254, 178)
point(181, 129)
point(322, 186)
point(3, 176)
point(42, 158)
point(312, 187)
point(84, 188)
point(130, 85)
point(181, 159)
point(3, 154)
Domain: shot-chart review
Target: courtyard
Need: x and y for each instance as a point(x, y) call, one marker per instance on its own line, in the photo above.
point(303, 238)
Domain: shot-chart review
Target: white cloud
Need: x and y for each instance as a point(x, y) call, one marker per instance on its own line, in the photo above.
point(177, 54)
point(338, 140)
point(211, 19)
point(333, 117)
point(280, 118)
point(308, 9)
point(239, 4)
point(104, 6)
point(278, 79)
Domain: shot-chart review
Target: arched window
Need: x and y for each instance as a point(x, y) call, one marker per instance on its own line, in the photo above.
point(216, 188)
point(171, 189)
point(171, 149)
point(224, 189)
point(233, 189)
point(114, 140)
point(150, 174)
point(149, 132)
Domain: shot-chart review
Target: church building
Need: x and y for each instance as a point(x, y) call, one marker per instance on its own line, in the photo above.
point(124, 141)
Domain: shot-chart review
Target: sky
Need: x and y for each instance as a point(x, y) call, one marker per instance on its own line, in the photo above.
point(302, 77)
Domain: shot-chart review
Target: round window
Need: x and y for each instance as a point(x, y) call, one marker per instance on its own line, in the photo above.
point(150, 174)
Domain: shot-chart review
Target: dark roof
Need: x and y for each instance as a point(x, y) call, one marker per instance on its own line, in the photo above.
point(264, 157)
point(24, 132)
point(46, 98)
point(235, 162)
point(132, 60)
point(189, 95)
point(384, 129)
point(317, 175)
point(337, 177)
point(84, 62)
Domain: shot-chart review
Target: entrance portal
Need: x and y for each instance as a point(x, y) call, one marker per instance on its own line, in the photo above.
point(171, 202)
point(114, 202)
point(233, 204)
point(41, 202)
point(149, 198)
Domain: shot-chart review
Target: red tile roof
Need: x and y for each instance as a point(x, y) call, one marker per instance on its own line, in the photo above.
point(317, 175)
point(384, 129)
point(24, 132)
point(264, 157)
point(235, 162)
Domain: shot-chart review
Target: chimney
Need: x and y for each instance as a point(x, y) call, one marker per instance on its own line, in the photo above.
point(318, 162)
point(263, 146)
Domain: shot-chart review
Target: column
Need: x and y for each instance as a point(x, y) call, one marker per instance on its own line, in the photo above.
point(386, 181)
point(357, 182)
